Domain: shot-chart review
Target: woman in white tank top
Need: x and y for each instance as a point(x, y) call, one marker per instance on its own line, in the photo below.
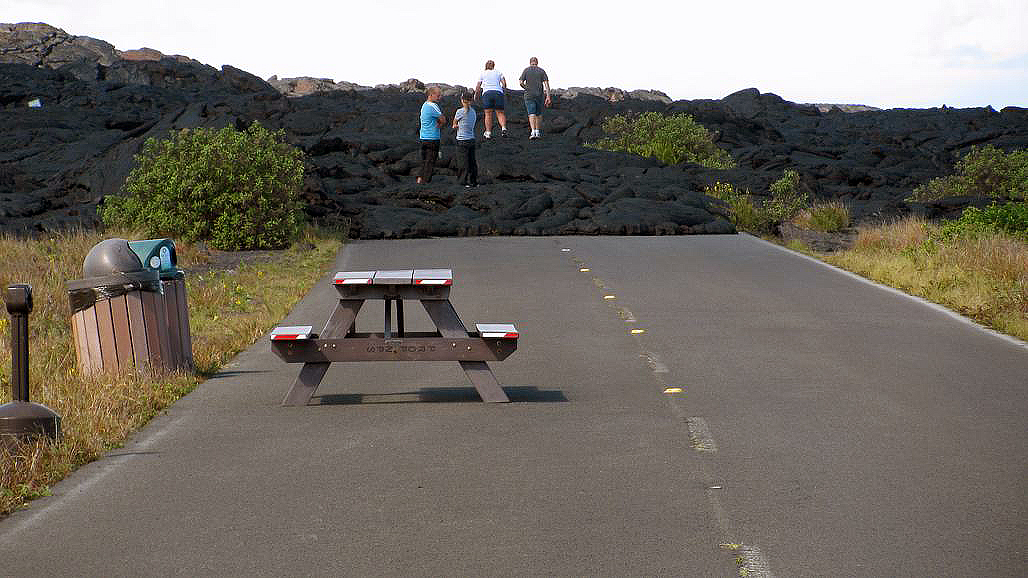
point(491, 86)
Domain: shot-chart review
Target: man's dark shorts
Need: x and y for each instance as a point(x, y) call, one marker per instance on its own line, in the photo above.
point(492, 100)
point(534, 105)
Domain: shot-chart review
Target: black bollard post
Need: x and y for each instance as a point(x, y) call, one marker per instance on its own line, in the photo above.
point(21, 419)
point(19, 305)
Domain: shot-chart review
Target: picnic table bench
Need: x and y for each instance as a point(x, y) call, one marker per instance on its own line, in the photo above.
point(340, 341)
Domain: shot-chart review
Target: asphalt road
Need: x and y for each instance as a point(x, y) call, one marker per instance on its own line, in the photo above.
point(772, 415)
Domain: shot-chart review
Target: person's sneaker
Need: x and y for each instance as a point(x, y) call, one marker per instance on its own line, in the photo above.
point(487, 134)
point(533, 136)
point(467, 186)
point(503, 132)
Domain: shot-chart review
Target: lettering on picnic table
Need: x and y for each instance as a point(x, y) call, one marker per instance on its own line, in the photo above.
point(400, 348)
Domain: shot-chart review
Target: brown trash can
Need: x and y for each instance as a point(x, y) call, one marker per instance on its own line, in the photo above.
point(120, 322)
point(176, 306)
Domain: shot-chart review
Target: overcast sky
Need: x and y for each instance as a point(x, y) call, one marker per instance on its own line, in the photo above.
point(885, 53)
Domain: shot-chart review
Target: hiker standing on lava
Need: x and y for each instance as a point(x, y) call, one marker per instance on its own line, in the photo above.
point(432, 119)
point(464, 121)
point(536, 85)
point(491, 85)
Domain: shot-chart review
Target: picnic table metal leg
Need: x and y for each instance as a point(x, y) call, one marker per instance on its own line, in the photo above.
point(343, 318)
point(339, 324)
point(306, 384)
point(445, 317)
point(484, 381)
point(449, 324)
point(399, 318)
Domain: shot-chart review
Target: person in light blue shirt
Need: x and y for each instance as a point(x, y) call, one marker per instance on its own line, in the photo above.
point(464, 121)
point(432, 119)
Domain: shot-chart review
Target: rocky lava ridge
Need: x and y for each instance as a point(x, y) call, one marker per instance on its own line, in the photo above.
point(59, 160)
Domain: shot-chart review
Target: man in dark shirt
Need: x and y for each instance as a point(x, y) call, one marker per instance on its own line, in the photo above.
point(537, 94)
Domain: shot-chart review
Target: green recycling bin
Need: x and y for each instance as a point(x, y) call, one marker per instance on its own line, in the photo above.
point(156, 254)
point(159, 255)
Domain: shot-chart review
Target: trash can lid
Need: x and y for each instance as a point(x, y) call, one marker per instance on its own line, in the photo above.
point(110, 256)
point(114, 280)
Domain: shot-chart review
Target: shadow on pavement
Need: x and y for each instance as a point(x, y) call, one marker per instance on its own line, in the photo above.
point(224, 374)
point(527, 394)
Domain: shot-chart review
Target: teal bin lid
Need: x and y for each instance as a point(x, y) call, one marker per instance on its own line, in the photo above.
point(156, 255)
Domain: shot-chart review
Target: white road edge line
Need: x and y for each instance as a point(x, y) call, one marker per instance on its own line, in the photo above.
point(953, 314)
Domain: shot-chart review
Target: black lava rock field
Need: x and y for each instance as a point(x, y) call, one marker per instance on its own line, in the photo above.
point(59, 160)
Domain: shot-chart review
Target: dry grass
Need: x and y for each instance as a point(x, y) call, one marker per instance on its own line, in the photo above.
point(897, 236)
point(228, 311)
point(984, 278)
point(828, 217)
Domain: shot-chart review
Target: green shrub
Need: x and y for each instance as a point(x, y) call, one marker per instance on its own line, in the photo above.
point(983, 172)
point(1009, 218)
point(827, 217)
point(743, 213)
point(786, 198)
point(670, 138)
point(785, 201)
point(231, 189)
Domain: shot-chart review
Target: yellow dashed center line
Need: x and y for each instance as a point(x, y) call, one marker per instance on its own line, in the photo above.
point(750, 559)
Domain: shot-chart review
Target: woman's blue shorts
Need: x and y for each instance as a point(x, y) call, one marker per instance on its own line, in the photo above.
point(492, 99)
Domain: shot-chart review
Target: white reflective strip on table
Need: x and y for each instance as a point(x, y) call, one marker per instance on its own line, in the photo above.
point(354, 277)
point(395, 277)
point(292, 332)
point(506, 330)
point(433, 276)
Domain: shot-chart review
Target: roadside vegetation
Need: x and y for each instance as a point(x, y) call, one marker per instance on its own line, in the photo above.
point(230, 307)
point(984, 171)
point(670, 138)
point(232, 189)
point(826, 217)
point(785, 200)
point(976, 264)
point(226, 188)
point(982, 274)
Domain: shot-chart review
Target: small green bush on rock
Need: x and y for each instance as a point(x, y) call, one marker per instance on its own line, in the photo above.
point(786, 198)
point(232, 189)
point(1009, 218)
point(743, 213)
point(671, 138)
point(785, 201)
point(983, 172)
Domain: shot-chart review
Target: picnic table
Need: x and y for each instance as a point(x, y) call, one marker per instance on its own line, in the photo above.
point(340, 341)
